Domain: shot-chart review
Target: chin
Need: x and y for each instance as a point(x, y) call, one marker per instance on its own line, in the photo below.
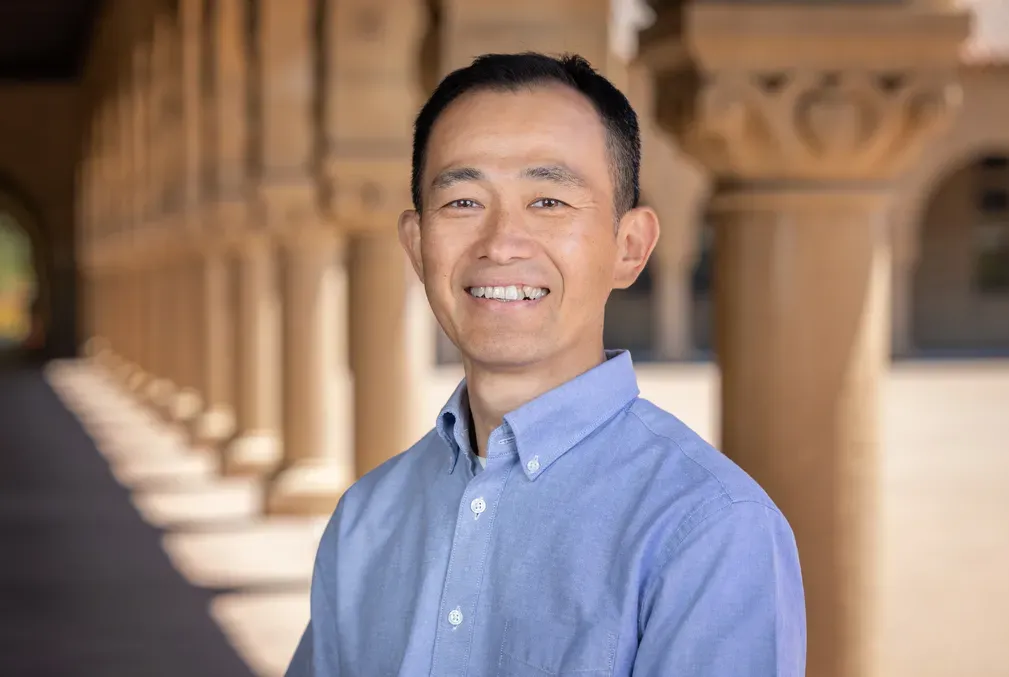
point(498, 355)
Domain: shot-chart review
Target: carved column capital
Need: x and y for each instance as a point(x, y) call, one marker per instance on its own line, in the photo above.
point(285, 207)
point(807, 93)
point(371, 93)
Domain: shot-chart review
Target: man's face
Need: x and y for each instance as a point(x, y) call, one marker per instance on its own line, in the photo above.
point(517, 244)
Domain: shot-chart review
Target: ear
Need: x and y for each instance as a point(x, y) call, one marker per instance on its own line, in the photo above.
point(637, 235)
point(409, 238)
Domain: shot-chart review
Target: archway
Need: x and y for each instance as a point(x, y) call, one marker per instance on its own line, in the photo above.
point(24, 282)
point(961, 282)
point(18, 286)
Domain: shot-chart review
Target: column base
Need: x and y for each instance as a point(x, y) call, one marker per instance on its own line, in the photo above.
point(307, 488)
point(94, 346)
point(252, 454)
point(184, 406)
point(158, 392)
point(125, 372)
point(212, 428)
point(137, 381)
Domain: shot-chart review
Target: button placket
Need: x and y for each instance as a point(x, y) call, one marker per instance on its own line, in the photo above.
point(465, 574)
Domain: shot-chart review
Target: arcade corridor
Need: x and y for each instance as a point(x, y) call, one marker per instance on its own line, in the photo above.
point(85, 587)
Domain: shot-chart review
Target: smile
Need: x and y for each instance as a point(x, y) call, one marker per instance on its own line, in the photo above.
point(509, 293)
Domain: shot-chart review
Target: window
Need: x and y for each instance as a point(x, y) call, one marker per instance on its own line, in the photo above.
point(993, 201)
point(991, 264)
point(994, 162)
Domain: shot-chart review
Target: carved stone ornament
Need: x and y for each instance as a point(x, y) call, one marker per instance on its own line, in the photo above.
point(816, 124)
point(804, 91)
point(288, 206)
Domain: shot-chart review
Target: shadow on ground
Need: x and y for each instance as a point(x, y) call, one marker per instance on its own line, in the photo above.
point(85, 586)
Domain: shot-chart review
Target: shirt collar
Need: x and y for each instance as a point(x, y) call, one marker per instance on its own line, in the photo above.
point(547, 427)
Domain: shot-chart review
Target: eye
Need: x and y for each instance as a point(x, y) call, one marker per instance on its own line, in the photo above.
point(548, 203)
point(463, 203)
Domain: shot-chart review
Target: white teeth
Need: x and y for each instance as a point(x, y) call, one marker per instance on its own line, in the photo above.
point(510, 293)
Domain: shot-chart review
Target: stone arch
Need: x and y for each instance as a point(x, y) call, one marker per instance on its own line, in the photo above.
point(960, 297)
point(934, 171)
point(24, 212)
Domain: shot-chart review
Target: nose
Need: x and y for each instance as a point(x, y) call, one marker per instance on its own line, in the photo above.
point(505, 237)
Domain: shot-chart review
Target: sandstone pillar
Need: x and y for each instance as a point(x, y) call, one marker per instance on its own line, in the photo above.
point(159, 318)
point(138, 74)
point(806, 116)
point(317, 434)
point(386, 379)
point(256, 446)
point(183, 296)
point(158, 135)
point(317, 426)
point(371, 95)
point(185, 202)
point(215, 424)
point(551, 26)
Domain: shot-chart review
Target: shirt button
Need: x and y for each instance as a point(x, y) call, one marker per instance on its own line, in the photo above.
point(455, 617)
point(478, 505)
point(534, 464)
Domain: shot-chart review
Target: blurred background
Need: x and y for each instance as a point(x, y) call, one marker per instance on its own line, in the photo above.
point(208, 330)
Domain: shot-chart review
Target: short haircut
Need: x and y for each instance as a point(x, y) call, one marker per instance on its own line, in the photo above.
point(509, 73)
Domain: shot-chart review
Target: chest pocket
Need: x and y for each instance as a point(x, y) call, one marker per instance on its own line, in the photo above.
point(561, 648)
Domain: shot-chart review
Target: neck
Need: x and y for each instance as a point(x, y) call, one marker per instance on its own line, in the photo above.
point(494, 391)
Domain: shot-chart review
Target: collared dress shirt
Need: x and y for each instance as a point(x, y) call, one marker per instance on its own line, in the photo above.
point(603, 538)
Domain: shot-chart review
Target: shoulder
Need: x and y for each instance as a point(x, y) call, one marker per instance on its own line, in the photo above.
point(689, 487)
point(678, 450)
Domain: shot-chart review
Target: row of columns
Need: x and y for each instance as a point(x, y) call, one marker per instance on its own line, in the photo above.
point(260, 301)
point(804, 143)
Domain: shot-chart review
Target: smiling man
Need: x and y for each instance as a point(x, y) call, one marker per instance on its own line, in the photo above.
point(552, 522)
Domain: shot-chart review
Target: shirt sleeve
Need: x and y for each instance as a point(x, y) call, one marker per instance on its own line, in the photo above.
point(316, 653)
point(729, 600)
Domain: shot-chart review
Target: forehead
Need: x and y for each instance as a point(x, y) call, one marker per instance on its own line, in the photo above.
point(530, 124)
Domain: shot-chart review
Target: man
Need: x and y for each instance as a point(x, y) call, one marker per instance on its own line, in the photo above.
point(552, 523)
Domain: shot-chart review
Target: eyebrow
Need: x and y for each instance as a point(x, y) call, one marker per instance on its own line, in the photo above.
point(558, 174)
point(450, 177)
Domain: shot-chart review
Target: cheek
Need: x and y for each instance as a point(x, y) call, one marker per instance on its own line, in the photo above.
point(440, 255)
point(586, 263)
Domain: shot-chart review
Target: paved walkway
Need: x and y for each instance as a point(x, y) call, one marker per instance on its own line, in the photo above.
point(85, 587)
point(124, 554)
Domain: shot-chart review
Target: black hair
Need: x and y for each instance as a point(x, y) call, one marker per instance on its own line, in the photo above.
point(509, 72)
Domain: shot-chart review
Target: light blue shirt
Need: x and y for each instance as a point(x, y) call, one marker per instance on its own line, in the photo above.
point(603, 539)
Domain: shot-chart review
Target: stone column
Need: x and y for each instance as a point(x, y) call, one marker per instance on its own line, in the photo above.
point(371, 96)
point(183, 295)
point(138, 74)
point(256, 450)
point(317, 435)
point(386, 379)
point(551, 26)
point(104, 221)
point(317, 424)
point(806, 116)
point(159, 112)
point(216, 424)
